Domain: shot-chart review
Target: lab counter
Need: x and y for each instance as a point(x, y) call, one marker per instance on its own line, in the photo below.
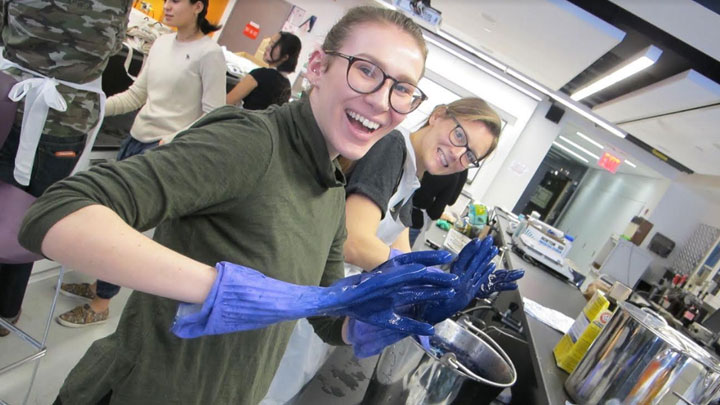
point(540, 381)
point(343, 379)
point(550, 291)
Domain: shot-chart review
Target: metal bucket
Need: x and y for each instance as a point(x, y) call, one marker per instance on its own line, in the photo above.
point(407, 373)
point(638, 359)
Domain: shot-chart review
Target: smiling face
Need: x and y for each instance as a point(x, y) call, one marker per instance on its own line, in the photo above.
point(352, 122)
point(181, 13)
point(437, 155)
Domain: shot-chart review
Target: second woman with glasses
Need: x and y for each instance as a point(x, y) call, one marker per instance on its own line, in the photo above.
point(380, 185)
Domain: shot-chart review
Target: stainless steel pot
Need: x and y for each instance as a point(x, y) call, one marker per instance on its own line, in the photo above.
point(639, 359)
point(407, 373)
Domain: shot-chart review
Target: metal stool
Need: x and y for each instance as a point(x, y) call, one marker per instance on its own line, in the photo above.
point(15, 203)
point(38, 345)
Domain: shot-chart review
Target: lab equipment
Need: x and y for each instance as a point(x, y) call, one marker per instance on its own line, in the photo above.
point(243, 298)
point(545, 244)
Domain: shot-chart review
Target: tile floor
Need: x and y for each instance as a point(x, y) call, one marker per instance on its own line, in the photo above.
point(65, 345)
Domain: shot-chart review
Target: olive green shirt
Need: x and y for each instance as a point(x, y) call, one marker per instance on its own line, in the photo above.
point(255, 188)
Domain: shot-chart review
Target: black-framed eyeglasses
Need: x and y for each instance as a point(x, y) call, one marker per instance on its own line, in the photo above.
point(365, 77)
point(458, 137)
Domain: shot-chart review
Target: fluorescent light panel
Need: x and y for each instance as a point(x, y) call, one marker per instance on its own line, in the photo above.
point(386, 5)
point(596, 157)
point(587, 138)
point(462, 44)
point(566, 149)
point(645, 59)
point(571, 104)
point(584, 111)
point(483, 68)
point(629, 163)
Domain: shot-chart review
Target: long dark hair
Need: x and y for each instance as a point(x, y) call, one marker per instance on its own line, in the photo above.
point(203, 24)
point(290, 46)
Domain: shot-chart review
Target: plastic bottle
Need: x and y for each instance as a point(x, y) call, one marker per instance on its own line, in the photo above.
point(520, 228)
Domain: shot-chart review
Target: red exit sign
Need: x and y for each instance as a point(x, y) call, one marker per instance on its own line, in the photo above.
point(252, 29)
point(609, 162)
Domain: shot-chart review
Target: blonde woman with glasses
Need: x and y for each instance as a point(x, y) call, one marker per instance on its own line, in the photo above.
point(380, 185)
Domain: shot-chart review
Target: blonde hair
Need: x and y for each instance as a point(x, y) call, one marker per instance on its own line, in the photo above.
point(473, 109)
point(367, 14)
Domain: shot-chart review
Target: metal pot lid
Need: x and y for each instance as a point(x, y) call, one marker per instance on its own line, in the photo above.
point(676, 339)
point(694, 350)
point(653, 322)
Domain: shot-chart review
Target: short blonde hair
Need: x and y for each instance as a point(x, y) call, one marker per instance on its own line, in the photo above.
point(473, 109)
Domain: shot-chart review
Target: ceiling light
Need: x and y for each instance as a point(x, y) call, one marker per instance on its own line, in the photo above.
point(386, 5)
point(483, 68)
point(565, 148)
point(641, 61)
point(587, 138)
point(571, 104)
point(462, 44)
point(596, 157)
point(629, 163)
point(557, 96)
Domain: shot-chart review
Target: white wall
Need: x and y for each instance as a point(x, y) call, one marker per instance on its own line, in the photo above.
point(676, 216)
point(604, 205)
point(516, 170)
point(327, 13)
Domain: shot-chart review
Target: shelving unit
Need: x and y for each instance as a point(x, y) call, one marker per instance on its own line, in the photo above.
point(706, 277)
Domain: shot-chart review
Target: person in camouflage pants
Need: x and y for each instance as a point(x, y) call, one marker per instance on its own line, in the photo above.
point(68, 40)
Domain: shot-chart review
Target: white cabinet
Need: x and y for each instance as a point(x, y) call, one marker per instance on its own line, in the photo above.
point(626, 262)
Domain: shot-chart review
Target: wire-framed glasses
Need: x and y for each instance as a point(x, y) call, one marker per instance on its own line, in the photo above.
point(458, 137)
point(365, 77)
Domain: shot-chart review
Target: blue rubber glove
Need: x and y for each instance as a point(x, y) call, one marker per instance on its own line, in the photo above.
point(243, 298)
point(368, 340)
point(397, 259)
point(473, 267)
point(500, 280)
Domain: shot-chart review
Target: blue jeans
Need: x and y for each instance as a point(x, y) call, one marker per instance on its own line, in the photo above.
point(129, 147)
point(414, 233)
point(47, 169)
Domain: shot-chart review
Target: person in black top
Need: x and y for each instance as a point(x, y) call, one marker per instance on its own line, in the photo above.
point(435, 193)
point(264, 87)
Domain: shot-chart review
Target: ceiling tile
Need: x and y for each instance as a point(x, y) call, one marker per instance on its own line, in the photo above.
point(685, 19)
point(691, 138)
point(685, 90)
point(551, 41)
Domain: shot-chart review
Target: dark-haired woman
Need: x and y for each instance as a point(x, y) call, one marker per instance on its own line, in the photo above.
point(182, 79)
point(264, 87)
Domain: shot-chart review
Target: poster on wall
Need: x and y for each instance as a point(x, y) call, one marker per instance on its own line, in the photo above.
point(297, 20)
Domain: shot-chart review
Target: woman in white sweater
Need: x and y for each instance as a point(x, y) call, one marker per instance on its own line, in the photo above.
point(182, 79)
